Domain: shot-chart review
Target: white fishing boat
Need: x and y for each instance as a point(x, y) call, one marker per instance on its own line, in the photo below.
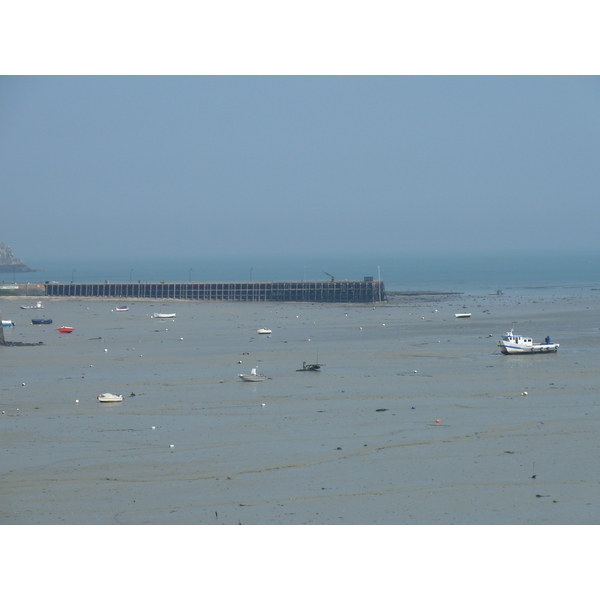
point(263, 331)
point(462, 315)
point(109, 397)
point(165, 315)
point(518, 344)
point(254, 376)
point(38, 304)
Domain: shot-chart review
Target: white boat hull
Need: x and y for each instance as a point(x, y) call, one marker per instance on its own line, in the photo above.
point(165, 315)
point(253, 376)
point(534, 349)
point(37, 305)
point(110, 398)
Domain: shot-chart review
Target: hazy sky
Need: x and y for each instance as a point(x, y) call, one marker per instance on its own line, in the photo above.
point(298, 165)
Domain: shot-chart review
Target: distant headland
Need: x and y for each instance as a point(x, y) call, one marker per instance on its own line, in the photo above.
point(9, 263)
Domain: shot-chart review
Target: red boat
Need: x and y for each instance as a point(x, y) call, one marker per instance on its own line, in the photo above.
point(65, 329)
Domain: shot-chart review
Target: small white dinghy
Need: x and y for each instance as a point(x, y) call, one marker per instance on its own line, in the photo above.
point(462, 315)
point(263, 330)
point(254, 376)
point(165, 315)
point(109, 397)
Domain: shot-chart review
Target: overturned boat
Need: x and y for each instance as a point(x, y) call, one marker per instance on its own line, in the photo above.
point(518, 344)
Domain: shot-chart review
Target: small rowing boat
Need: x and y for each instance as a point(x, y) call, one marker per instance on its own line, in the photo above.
point(65, 329)
point(109, 398)
point(41, 321)
point(165, 315)
point(254, 376)
point(122, 308)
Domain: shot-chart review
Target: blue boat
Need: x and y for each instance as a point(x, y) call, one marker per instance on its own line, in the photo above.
point(41, 321)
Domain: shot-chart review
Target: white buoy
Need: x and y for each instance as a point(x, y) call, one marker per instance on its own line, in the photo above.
point(153, 427)
point(263, 404)
point(415, 371)
point(172, 446)
point(523, 393)
point(76, 401)
point(181, 339)
point(22, 384)
point(105, 349)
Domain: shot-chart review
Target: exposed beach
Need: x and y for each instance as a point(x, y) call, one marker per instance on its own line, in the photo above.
point(415, 418)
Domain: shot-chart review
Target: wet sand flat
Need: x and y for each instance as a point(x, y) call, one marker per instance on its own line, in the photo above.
point(414, 419)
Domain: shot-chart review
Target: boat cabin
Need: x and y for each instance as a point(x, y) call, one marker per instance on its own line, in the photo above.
point(517, 339)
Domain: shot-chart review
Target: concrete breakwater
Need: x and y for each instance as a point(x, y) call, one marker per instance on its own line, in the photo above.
point(368, 291)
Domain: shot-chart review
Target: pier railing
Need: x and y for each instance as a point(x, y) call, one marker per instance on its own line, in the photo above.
point(304, 291)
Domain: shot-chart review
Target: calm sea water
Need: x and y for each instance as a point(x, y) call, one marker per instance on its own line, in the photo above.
point(471, 274)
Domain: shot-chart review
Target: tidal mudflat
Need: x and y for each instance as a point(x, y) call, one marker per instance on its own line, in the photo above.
point(415, 418)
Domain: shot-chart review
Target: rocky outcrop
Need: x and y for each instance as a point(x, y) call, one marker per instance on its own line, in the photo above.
point(9, 263)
